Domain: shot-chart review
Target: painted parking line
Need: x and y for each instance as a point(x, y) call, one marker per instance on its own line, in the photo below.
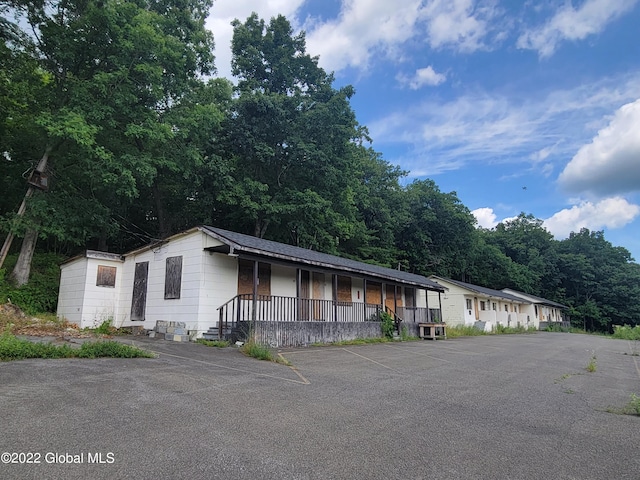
point(300, 381)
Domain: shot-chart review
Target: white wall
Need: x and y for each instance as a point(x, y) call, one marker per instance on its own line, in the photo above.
point(73, 278)
point(80, 300)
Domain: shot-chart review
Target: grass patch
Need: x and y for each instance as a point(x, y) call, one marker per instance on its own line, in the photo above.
point(502, 330)
point(213, 343)
point(262, 352)
point(631, 408)
point(592, 366)
point(14, 348)
point(464, 331)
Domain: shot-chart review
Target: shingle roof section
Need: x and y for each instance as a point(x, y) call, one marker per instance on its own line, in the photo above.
point(483, 290)
point(536, 299)
point(270, 248)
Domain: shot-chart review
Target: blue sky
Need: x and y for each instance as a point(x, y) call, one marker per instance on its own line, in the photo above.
point(518, 106)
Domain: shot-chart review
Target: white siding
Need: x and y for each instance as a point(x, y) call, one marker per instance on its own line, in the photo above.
point(71, 296)
point(80, 300)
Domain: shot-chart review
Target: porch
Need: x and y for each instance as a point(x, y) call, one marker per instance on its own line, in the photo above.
point(269, 309)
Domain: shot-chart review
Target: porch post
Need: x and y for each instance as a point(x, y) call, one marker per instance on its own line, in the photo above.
point(426, 295)
point(364, 298)
point(440, 305)
point(254, 306)
point(335, 297)
point(298, 286)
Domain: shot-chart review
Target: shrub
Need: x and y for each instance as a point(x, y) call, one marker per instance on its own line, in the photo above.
point(255, 350)
point(464, 331)
point(387, 325)
point(626, 332)
point(40, 294)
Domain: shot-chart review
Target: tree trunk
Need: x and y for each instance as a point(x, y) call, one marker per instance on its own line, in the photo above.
point(22, 270)
point(20, 274)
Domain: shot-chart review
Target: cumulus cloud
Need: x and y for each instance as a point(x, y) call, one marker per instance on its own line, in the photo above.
point(609, 213)
point(422, 77)
point(365, 28)
point(485, 217)
point(573, 24)
point(461, 24)
point(610, 164)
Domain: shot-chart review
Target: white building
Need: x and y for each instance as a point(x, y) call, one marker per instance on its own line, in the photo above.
point(468, 304)
point(207, 277)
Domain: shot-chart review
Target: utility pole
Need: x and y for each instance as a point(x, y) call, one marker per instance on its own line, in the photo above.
point(37, 180)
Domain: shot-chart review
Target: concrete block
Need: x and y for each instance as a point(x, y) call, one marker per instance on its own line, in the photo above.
point(176, 338)
point(162, 329)
point(162, 323)
point(177, 330)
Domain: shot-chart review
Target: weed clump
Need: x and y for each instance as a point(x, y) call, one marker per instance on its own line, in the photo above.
point(14, 348)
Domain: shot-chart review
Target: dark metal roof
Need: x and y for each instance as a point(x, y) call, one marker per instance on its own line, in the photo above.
point(536, 299)
point(259, 246)
point(489, 292)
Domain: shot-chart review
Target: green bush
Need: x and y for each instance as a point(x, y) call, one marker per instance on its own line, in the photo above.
point(387, 325)
point(40, 294)
point(626, 332)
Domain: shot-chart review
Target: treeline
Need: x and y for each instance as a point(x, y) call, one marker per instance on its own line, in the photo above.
point(117, 103)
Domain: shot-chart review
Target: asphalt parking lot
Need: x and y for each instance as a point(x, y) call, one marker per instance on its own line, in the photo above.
point(493, 407)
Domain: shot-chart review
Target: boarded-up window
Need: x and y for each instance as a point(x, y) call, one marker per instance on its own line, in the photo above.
point(245, 278)
point(344, 289)
point(139, 300)
point(173, 278)
point(374, 293)
point(106, 276)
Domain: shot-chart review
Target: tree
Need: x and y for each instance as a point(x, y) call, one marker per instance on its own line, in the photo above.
point(116, 72)
point(290, 139)
point(438, 231)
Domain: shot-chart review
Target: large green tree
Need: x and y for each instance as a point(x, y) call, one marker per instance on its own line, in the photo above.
point(109, 121)
point(290, 138)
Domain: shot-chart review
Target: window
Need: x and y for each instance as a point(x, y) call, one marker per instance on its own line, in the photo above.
point(483, 305)
point(468, 304)
point(245, 278)
point(106, 276)
point(506, 308)
point(173, 278)
point(344, 289)
point(494, 305)
point(139, 300)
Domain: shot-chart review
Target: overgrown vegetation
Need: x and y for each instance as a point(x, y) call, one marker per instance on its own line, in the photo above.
point(592, 366)
point(40, 294)
point(626, 332)
point(261, 352)
point(14, 348)
point(213, 343)
point(387, 325)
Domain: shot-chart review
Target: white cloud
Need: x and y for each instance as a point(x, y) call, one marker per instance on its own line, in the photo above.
point(610, 164)
point(609, 213)
point(573, 24)
point(366, 28)
point(423, 76)
point(485, 217)
point(461, 24)
point(225, 11)
point(490, 128)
